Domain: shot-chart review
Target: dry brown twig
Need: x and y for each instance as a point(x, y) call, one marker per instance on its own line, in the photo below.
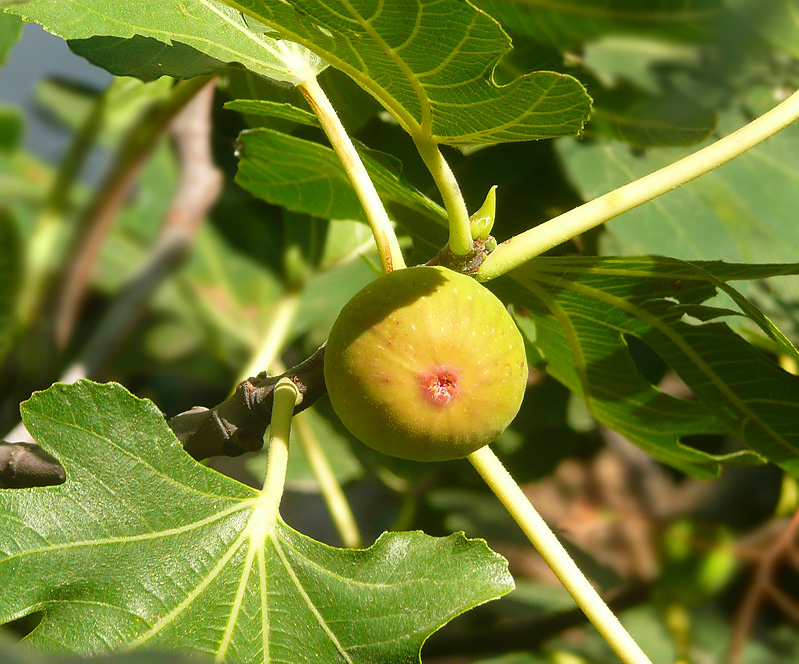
point(109, 198)
point(764, 588)
point(199, 188)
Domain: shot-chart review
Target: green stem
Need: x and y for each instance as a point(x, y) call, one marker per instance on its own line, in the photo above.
point(279, 327)
point(385, 237)
point(552, 551)
point(286, 397)
point(460, 232)
point(531, 243)
point(332, 493)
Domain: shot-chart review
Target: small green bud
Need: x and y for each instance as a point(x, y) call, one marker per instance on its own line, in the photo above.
point(482, 221)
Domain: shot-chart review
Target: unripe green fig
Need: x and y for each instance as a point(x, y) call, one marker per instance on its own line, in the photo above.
point(425, 364)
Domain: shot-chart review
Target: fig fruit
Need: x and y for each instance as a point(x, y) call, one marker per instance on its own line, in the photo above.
point(425, 364)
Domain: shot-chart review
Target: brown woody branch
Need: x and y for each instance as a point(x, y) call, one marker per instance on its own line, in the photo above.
point(231, 428)
point(237, 425)
point(27, 465)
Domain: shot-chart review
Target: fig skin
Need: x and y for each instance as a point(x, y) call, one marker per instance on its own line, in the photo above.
point(425, 364)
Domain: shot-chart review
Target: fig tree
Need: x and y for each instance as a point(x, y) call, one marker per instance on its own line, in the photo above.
point(425, 364)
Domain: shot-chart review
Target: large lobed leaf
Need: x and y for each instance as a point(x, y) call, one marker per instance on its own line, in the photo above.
point(142, 547)
point(585, 309)
point(430, 63)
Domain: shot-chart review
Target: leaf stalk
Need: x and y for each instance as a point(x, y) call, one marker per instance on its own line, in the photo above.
point(286, 397)
point(386, 239)
point(332, 493)
point(460, 232)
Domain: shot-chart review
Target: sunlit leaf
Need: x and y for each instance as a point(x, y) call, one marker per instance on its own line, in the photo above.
point(142, 547)
point(179, 38)
point(437, 82)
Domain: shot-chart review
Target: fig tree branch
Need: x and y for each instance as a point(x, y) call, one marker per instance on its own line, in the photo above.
point(27, 465)
point(237, 425)
point(521, 248)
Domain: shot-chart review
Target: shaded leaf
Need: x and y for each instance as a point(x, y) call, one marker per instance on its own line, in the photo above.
point(584, 308)
point(179, 38)
point(307, 177)
point(644, 120)
point(274, 110)
point(743, 211)
point(430, 65)
point(10, 31)
point(354, 106)
point(144, 547)
point(569, 23)
point(10, 279)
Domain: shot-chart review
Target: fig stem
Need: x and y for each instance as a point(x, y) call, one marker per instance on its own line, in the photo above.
point(386, 239)
point(286, 397)
point(552, 551)
point(519, 249)
point(460, 229)
point(332, 493)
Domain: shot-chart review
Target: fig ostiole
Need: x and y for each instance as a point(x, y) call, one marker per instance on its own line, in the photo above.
point(425, 364)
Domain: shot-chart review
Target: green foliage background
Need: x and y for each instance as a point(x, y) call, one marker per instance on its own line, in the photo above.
point(617, 89)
